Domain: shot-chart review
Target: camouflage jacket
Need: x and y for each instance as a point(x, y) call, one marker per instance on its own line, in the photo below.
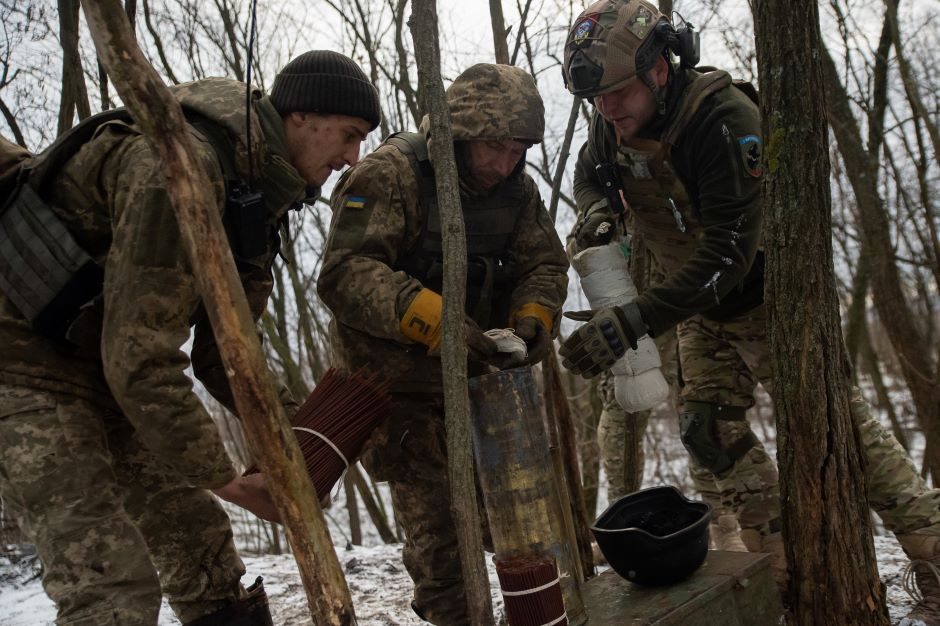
point(377, 222)
point(692, 183)
point(112, 196)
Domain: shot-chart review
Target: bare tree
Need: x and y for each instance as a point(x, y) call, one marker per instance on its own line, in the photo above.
point(819, 446)
point(463, 493)
point(161, 119)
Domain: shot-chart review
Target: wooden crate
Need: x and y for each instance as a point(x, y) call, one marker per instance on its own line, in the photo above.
point(730, 589)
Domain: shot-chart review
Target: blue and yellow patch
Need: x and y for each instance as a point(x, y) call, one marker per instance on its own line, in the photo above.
point(354, 202)
point(352, 222)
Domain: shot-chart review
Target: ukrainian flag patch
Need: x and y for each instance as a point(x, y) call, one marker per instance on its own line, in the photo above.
point(352, 222)
point(354, 202)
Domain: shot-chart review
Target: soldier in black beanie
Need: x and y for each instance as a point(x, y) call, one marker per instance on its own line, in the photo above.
point(119, 493)
point(325, 100)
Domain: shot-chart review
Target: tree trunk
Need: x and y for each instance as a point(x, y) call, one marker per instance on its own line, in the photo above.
point(159, 116)
point(563, 157)
point(558, 412)
point(826, 523)
point(887, 286)
point(499, 32)
point(463, 493)
point(352, 507)
point(373, 505)
point(74, 94)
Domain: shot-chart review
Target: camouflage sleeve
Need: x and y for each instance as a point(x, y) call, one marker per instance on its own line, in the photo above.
point(150, 294)
point(719, 160)
point(209, 369)
point(374, 222)
point(538, 261)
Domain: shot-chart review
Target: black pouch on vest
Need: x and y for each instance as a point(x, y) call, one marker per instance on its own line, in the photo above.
point(43, 271)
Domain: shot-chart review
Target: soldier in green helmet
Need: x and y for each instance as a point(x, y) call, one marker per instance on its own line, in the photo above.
point(382, 279)
point(679, 149)
point(108, 458)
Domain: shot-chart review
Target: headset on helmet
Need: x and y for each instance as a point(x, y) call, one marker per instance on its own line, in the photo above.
point(614, 40)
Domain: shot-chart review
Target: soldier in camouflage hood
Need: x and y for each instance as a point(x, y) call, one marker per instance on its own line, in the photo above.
point(107, 456)
point(382, 277)
point(679, 151)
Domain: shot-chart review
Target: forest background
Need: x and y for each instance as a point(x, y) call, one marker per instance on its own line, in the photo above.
point(881, 87)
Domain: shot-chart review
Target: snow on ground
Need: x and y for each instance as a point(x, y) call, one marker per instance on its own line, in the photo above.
point(380, 586)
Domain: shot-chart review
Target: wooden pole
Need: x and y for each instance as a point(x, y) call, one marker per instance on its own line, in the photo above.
point(159, 116)
point(515, 469)
point(423, 25)
point(558, 414)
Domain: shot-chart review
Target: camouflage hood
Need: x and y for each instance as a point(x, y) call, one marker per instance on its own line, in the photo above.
point(222, 101)
point(490, 101)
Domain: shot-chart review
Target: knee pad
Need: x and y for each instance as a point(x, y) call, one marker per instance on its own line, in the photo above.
point(698, 431)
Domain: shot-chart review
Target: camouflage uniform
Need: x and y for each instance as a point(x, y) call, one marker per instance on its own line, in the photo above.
point(692, 182)
point(106, 453)
point(378, 223)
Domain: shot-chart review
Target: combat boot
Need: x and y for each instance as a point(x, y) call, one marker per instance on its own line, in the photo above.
point(771, 544)
point(922, 577)
point(250, 610)
point(725, 535)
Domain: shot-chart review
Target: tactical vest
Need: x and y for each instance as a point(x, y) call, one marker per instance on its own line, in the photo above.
point(662, 209)
point(489, 224)
point(48, 276)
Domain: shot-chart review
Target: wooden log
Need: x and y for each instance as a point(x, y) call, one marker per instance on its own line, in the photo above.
point(515, 469)
point(160, 118)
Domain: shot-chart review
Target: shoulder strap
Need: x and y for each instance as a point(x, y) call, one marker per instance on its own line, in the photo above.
point(415, 147)
point(697, 90)
point(67, 145)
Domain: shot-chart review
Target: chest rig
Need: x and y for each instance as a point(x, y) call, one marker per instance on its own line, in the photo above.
point(489, 223)
point(663, 211)
point(52, 280)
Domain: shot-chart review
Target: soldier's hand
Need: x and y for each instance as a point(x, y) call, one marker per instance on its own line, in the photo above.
point(480, 348)
point(596, 346)
point(596, 228)
point(538, 341)
point(250, 492)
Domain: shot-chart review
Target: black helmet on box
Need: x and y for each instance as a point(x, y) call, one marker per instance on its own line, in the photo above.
point(656, 536)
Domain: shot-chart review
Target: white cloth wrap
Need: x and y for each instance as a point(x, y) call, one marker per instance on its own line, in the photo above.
point(605, 278)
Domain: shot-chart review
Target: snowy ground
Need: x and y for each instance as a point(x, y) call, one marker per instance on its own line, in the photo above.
point(380, 586)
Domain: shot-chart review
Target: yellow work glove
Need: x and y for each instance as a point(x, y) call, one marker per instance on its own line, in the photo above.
point(533, 324)
point(422, 323)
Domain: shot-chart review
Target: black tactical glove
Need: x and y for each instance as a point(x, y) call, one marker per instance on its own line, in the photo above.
point(596, 346)
point(596, 228)
point(538, 341)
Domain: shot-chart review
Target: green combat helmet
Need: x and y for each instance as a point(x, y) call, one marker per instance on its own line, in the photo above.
point(490, 101)
point(614, 40)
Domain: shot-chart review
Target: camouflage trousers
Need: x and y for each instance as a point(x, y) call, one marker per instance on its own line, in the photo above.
point(113, 527)
point(620, 434)
point(721, 364)
point(409, 451)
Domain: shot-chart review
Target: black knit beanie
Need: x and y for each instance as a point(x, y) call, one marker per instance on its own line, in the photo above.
point(323, 81)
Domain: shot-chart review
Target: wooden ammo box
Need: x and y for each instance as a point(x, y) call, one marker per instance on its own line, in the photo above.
point(729, 589)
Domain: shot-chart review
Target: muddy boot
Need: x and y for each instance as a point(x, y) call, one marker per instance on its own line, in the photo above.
point(725, 535)
point(771, 544)
point(922, 577)
point(249, 610)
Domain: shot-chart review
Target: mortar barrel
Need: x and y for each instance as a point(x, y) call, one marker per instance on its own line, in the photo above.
point(517, 478)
